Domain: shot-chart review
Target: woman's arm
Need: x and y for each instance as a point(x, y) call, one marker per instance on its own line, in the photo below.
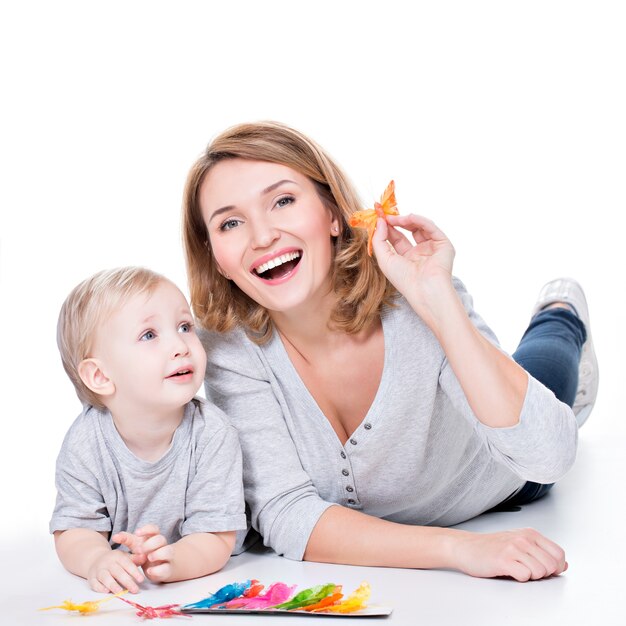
point(283, 502)
point(494, 385)
point(349, 537)
point(522, 423)
point(295, 521)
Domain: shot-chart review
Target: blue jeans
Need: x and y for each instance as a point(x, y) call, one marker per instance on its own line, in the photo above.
point(550, 352)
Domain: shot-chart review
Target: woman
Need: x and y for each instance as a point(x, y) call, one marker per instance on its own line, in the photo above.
point(373, 404)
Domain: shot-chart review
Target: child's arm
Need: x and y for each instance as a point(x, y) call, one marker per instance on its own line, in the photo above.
point(193, 556)
point(87, 553)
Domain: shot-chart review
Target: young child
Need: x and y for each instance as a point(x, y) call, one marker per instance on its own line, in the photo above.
point(146, 466)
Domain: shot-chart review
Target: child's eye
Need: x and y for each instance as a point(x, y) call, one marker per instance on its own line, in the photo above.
point(229, 224)
point(284, 201)
point(147, 336)
point(185, 327)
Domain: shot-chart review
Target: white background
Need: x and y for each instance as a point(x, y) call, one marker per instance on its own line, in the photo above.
point(502, 121)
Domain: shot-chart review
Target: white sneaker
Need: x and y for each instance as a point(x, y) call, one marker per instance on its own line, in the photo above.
point(569, 291)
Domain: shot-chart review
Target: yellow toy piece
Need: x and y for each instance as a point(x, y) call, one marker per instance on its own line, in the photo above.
point(90, 606)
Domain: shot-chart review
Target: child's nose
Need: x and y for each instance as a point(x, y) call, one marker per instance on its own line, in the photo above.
point(180, 346)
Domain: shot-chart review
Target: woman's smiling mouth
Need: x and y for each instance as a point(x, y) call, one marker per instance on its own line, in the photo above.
point(277, 268)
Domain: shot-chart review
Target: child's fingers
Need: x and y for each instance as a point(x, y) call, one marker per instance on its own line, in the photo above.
point(127, 575)
point(154, 543)
point(138, 559)
point(164, 553)
point(159, 572)
point(105, 578)
point(123, 538)
point(147, 530)
point(97, 586)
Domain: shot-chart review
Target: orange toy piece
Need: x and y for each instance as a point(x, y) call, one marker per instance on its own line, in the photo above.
point(327, 601)
point(90, 606)
point(354, 602)
point(367, 219)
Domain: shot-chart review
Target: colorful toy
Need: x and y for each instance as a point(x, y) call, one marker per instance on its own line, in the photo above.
point(224, 594)
point(354, 602)
point(246, 597)
point(367, 219)
point(276, 593)
point(308, 597)
point(90, 606)
point(150, 612)
point(321, 600)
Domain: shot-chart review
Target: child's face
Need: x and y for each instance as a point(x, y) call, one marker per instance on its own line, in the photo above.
point(150, 351)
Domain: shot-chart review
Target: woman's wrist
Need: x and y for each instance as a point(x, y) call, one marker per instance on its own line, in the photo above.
point(437, 303)
point(447, 546)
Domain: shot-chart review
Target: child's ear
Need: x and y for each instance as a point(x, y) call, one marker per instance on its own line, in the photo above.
point(92, 374)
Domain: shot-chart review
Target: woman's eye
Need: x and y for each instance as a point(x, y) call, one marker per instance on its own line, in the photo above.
point(147, 336)
point(185, 327)
point(284, 201)
point(229, 224)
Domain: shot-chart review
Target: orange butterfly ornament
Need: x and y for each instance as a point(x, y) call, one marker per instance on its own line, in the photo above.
point(367, 219)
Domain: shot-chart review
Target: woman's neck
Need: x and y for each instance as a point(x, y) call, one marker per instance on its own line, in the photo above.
point(309, 325)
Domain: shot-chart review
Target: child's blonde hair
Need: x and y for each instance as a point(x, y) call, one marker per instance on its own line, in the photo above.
point(87, 306)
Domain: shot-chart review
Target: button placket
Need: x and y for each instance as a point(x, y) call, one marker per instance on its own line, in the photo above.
point(350, 491)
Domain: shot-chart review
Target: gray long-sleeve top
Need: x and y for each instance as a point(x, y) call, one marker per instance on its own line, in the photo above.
point(420, 456)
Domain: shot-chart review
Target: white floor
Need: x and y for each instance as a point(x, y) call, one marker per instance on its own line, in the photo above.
point(584, 514)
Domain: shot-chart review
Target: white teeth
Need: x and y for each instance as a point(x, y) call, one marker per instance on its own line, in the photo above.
point(290, 256)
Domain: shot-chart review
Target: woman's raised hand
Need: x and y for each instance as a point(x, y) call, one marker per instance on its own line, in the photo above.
point(413, 267)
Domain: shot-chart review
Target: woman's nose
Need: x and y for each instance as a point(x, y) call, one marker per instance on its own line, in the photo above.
point(263, 233)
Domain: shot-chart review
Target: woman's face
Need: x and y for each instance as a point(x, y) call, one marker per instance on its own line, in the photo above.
point(269, 232)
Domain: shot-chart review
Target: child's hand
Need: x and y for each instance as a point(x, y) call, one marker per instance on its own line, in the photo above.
point(523, 554)
point(151, 551)
point(113, 571)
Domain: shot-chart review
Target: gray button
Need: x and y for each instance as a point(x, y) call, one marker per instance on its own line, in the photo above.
point(351, 501)
point(350, 489)
point(343, 454)
point(345, 472)
point(367, 426)
point(353, 442)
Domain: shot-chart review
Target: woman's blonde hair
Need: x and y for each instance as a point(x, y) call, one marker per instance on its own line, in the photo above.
point(88, 305)
point(217, 302)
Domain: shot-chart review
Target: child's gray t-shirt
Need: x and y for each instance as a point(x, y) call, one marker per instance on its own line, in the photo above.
point(195, 487)
point(420, 455)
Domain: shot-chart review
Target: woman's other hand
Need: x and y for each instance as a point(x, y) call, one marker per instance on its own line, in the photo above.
point(522, 554)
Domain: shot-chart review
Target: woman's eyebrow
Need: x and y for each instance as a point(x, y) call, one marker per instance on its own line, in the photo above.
point(278, 184)
point(265, 191)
